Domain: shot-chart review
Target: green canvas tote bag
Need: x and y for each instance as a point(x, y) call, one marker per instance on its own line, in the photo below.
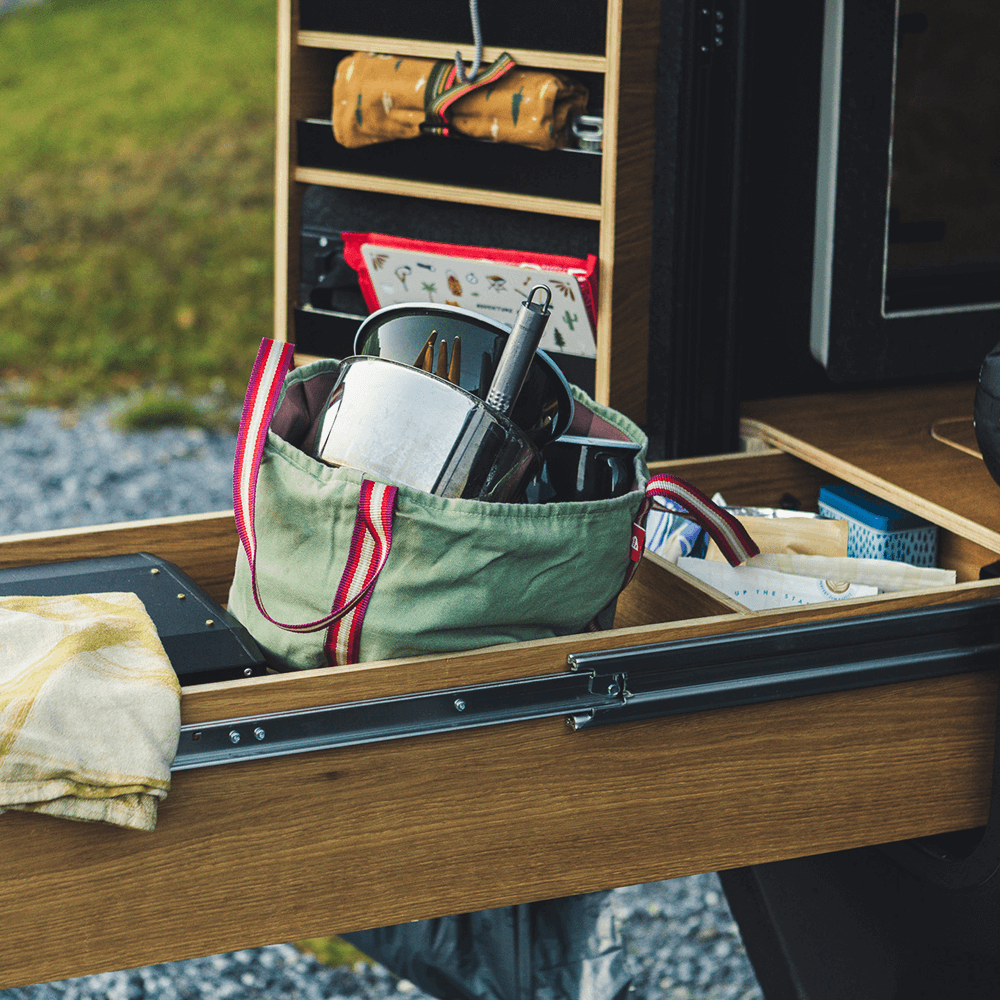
point(335, 567)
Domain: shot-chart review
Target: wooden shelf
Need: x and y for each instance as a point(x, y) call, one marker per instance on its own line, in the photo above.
point(581, 62)
point(247, 853)
point(624, 64)
point(445, 192)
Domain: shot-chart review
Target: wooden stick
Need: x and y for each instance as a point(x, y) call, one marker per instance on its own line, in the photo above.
point(426, 354)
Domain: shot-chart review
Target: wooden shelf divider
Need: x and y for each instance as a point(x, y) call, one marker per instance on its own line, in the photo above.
point(569, 61)
point(447, 192)
point(623, 214)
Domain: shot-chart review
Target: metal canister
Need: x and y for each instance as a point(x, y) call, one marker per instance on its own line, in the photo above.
point(403, 425)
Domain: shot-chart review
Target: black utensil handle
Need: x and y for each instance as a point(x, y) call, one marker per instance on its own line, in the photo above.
point(519, 352)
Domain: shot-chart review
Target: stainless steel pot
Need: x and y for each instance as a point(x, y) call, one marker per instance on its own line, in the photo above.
point(406, 426)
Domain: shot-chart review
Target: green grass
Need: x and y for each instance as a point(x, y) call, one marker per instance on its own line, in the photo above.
point(136, 196)
point(11, 415)
point(136, 212)
point(158, 407)
point(333, 951)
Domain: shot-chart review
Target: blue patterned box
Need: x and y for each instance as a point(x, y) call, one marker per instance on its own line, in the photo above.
point(878, 529)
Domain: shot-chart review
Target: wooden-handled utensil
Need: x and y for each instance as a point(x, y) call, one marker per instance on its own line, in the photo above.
point(426, 354)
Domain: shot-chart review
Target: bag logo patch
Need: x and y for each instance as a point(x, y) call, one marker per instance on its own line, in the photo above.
point(638, 542)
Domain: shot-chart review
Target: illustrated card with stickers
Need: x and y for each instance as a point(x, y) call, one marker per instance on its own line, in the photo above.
point(393, 270)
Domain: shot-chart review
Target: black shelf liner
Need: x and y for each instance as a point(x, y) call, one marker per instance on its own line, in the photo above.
point(566, 174)
point(335, 210)
point(326, 334)
point(329, 211)
point(579, 27)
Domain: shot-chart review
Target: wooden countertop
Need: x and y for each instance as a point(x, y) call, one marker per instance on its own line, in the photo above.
point(913, 446)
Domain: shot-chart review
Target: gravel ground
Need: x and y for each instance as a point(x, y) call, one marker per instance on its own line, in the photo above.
point(680, 942)
point(67, 469)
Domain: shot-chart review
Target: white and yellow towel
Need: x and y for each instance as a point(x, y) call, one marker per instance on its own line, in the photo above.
point(89, 709)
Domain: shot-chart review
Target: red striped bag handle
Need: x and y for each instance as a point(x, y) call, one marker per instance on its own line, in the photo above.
point(727, 532)
point(372, 538)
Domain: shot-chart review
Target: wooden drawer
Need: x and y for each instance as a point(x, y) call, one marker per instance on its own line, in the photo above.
point(473, 815)
point(480, 810)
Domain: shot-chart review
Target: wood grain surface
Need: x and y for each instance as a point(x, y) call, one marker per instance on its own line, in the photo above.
point(779, 479)
point(390, 678)
point(449, 192)
point(275, 850)
point(967, 558)
point(203, 545)
point(660, 592)
point(426, 49)
point(257, 853)
point(304, 80)
point(882, 442)
point(622, 372)
point(752, 479)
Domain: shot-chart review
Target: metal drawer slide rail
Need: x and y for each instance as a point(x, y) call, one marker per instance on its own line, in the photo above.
point(790, 662)
point(643, 682)
point(349, 724)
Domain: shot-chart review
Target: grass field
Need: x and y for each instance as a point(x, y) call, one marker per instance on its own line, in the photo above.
point(136, 210)
point(136, 197)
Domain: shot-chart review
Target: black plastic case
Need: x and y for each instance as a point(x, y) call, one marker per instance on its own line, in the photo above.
point(203, 641)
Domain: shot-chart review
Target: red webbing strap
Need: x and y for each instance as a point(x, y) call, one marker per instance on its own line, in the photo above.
point(273, 362)
point(372, 537)
point(727, 532)
point(443, 89)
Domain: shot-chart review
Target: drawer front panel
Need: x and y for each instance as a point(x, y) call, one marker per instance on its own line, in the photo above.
point(266, 851)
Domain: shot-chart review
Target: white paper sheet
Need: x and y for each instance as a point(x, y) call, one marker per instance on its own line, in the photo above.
point(759, 589)
point(483, 286)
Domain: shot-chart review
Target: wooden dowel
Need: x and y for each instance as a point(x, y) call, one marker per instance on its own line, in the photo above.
point(426, 355)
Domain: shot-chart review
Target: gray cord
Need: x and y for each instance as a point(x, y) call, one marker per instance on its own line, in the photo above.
point(477, 38)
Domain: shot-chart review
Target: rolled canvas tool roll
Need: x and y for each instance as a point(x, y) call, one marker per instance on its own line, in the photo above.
point(379, 98)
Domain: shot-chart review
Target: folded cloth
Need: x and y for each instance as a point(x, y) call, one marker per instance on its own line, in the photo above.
point(89, 709)
point(378, 98)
